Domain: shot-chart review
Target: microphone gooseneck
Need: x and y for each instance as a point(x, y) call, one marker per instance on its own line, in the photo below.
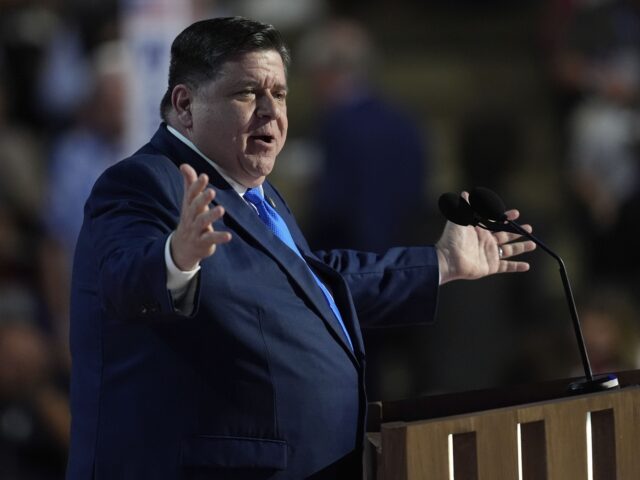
point(568, 295)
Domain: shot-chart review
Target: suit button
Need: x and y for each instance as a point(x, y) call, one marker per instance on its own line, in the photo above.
point(149, 308)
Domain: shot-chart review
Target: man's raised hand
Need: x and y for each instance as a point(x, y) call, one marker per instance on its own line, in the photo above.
point(467, 253)
point(195, 239)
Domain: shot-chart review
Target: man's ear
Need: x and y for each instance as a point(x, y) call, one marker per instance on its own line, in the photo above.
point(182, 99)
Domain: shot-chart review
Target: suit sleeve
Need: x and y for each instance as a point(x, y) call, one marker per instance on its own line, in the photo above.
point(399, 287)
point(132, 210)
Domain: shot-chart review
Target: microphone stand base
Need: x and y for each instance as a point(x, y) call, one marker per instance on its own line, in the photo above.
point(599, 383)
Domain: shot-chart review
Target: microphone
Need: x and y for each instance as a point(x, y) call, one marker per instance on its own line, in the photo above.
point(487, 210)
point(488, 204)
point(457, 209)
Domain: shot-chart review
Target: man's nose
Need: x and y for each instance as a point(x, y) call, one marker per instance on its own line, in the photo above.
point(267, 106)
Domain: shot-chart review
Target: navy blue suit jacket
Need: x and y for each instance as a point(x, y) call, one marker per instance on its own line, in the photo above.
point(258, 381)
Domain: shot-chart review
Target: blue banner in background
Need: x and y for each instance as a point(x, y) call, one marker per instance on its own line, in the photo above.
point(149, 27)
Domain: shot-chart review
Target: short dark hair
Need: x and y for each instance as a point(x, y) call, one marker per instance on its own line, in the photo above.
point(200, 51)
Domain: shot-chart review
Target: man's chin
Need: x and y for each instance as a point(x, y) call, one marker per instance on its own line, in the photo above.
point(253, 179)
point(259, 168)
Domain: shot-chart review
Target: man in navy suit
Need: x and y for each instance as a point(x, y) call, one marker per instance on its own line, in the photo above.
point(208, 341)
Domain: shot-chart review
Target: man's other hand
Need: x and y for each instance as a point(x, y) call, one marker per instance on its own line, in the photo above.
point(467, 253)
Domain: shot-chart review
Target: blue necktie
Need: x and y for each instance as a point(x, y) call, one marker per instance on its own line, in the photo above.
point(275, 223)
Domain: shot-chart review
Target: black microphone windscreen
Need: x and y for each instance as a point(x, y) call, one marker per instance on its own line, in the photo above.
point(456, 209)
point(487, 204)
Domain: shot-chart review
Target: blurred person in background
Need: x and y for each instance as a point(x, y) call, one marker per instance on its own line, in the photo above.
point(34, 410)
point(21, 186)
point(64, 79)
point(21, 165)
point(21, 181)
point(360, 134)
point(597, 63)
point(26, 29)
point(78, 156)
point(44, 46)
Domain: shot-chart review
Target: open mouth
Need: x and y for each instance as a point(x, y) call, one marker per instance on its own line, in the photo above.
point(263, 138)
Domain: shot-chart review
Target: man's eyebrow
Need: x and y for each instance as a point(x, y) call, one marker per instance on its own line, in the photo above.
point(250, 82)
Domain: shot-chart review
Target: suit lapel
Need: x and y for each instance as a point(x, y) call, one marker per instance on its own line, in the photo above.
point(246, 218)
point(342, 297)
point(340, 293)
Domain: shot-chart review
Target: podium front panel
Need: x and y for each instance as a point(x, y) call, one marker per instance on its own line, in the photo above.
point(590, 437)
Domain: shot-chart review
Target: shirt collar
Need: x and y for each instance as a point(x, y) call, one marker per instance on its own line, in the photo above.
point(237, 187)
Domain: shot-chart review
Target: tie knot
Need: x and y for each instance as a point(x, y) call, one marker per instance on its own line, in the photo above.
point(253, 195)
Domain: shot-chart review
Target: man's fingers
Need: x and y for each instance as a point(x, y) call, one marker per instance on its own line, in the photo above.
point(215, 238)
point(205, 245)
point(517, 248)
point(512, 214)
point(513, 267)
point(188, 173)
point(204, 220)
point(216, 214)
point(194, 184)
point(199, 205)
point(505, 237)
point(197, 187)
point(189, 176)
point(201, 201)
point(196, 239)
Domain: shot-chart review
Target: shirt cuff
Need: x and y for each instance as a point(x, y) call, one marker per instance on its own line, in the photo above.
point(177, 280)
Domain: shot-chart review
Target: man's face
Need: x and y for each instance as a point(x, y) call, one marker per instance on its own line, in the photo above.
point(239, 120)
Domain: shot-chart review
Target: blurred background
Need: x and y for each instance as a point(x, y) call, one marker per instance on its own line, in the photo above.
point(391, 104)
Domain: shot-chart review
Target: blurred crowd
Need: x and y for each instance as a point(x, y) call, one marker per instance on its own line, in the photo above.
point(594, 65)
point(62, 122)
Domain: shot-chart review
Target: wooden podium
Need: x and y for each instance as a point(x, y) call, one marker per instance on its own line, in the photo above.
point(534, 432)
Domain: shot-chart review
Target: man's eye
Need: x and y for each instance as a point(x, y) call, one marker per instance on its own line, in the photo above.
point(280, 95)
point(246, 93)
